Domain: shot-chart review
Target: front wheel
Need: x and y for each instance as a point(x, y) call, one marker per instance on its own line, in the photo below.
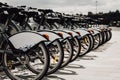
point(20, 67)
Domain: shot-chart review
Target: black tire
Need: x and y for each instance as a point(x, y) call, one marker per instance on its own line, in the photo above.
point(85, 45)
point(105, 36)
point(106, 39)
point(54, 66)
point(101, 38)
point(110, 33)
point(97, 41)
point(68, 52)
point(76, 48)
point(92, 41)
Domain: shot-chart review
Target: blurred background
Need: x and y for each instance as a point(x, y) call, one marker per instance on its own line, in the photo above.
point(106, 10)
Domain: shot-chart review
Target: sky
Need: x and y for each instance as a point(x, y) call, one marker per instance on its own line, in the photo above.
point(70, 6)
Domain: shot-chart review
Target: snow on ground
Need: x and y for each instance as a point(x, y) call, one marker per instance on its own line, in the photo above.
point(100, 64)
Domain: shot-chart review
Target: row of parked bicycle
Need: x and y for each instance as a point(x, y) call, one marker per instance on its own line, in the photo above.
point(38, 42)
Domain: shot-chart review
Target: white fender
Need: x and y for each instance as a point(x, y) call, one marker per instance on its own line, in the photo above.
point(96, 32)
point(82, 32)
point(25, 40)
point(73, 33)
point(52, 36)
point(65, 35)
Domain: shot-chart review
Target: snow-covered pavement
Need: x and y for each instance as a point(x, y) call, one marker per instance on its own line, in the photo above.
point(100, 64)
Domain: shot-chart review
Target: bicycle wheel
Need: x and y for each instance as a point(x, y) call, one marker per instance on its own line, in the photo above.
point(76, 48)
point(85, 45)
point(56, 56)
point(101, 38)
point(92, 41)
point(68, 52)
point(110, 34)
point(106, 36)
point(97, 41)
point(15, 64)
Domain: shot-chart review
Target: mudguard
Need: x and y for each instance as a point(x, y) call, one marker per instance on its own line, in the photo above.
point(96, 32)
point(52, 36)
point(25, 40)
point(73, 33)
point(82, 32)
point(65, 35)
